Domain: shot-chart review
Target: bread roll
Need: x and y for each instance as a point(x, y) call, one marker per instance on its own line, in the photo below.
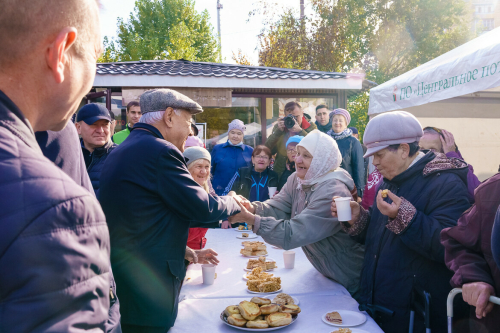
point(257, 324)
point(269, 308)
point(232, 309)
point(236, 320)
point(260, 300)
point(290, 308)
point(279, 319)
point(249, 310)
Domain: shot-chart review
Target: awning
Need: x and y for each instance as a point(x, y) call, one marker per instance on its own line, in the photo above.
point(471, 67)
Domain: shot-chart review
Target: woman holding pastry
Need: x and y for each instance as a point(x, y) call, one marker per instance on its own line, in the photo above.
point(299, 215)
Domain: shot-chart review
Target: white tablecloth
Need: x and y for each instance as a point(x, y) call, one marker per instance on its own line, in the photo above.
point(202, 304)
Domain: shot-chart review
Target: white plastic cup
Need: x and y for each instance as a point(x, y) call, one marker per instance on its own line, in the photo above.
point(343, 209)
point(272, 191)
point(208, 272)
point(289, 259)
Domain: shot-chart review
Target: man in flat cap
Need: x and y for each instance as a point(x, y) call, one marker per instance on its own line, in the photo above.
point(422, 193)
point(151, 201)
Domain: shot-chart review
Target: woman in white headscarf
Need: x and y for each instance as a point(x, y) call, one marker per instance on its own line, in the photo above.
point(299, 215)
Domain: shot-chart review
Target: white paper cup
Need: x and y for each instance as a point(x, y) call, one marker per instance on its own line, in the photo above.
point(208, 272)
point(343, 209)
point(272, 191)
point(289, 259)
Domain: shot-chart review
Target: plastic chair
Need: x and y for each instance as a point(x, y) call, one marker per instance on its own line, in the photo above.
point(421, 304)
point(449, 305)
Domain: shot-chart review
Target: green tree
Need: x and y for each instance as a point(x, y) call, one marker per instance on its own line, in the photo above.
point(382, 38)
point(164, 29)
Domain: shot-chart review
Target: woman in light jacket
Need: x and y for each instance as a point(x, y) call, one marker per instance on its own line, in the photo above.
point(299, 215)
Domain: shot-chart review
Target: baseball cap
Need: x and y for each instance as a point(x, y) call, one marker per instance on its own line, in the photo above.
point(93, 112)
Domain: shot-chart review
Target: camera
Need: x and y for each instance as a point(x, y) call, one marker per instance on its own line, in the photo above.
point(289, 121)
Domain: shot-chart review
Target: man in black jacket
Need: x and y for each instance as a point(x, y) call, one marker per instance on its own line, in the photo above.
point(151, 201)
point(93, 124)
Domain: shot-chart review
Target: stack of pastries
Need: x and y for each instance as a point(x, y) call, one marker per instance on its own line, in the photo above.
point(260, 313)
point(263, 282)
point(262, 263)
point(253, 249)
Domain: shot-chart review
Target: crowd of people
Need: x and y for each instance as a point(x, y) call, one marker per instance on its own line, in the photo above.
point(98, 229)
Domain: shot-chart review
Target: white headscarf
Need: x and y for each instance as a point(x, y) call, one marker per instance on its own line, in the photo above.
point(326, 157)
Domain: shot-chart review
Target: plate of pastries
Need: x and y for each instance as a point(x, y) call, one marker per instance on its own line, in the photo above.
point(253, 249)
point(260, 282)
point(241, 228)
point(259, 314)
point(348, 330)
point(266, 264)
point(246, 235)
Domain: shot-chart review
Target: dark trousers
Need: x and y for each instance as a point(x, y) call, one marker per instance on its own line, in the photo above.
point(143, 329)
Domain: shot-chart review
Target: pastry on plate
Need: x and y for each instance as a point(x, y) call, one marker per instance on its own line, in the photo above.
point(249, 310)
point(236, 320)
point(283, 299)
point(290, 308)
point(260, 300)
point(334, 317)
point(245, 235)
point(232, 309)
point(274, 284)
point(269, 308)
point(257, 324)
point(279, 319)
point(343, 330)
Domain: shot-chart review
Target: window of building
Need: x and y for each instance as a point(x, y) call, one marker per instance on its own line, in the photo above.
point(488, 24)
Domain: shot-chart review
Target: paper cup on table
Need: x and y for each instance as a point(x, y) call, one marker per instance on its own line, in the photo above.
point(289, 258)
point(343, 209)
point(208, 272)
point(272, 191)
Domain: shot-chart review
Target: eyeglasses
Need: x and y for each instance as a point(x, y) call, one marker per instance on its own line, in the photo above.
point(291, 150)
point(262, 157)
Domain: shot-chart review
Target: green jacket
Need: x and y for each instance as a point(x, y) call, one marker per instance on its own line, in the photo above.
point(119, 137)
point(277, 141)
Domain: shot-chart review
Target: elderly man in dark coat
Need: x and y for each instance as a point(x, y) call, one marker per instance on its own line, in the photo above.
point(426, 192)
point(151, 201)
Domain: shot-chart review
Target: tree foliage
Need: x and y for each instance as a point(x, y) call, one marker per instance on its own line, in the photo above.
point(382, 38)
point(163, 29)
point(241, 59)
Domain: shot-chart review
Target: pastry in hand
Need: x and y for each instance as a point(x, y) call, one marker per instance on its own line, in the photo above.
point(232, 309)
point(385, 193)
point(290, 308)
point(249, 310)
point(260, 300)
point(334, 317)
point(236, 320)
point(257, 324)
point(269, 308)
point(279, 319)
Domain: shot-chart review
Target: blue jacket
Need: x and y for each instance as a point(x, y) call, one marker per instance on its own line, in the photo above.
point(352, 161)
point(63, 148)
point(151, 201)
point(437, 188)
point(254, 185)
point(54, 241)
point(95, 161)
point(226, 161)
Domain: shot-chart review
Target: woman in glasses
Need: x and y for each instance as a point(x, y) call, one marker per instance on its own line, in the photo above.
point(254, 182)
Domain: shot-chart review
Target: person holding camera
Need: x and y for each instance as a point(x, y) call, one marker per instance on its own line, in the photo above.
point(294, 123)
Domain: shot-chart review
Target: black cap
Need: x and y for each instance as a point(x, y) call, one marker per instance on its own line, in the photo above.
point(93, 112)
point(354, 130)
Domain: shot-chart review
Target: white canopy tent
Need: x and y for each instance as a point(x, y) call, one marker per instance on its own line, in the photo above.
point(458, 91)
point(474, 66)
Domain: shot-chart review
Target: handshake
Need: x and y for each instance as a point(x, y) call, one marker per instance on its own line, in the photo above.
point(247, 210)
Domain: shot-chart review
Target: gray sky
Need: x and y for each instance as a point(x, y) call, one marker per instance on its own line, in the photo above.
point(236, 32)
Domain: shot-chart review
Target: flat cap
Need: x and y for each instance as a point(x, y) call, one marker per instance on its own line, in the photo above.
point(160, 99)
point(391, 128)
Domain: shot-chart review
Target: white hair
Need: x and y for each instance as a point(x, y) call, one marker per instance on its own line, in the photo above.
point(155, 116)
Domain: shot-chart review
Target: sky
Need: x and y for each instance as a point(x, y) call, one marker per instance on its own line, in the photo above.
point(236, 32)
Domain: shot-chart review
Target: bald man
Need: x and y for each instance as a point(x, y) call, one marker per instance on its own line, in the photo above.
point(54, 241)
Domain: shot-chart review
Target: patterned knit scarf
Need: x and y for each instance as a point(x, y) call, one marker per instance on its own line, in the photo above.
point(339, 136)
